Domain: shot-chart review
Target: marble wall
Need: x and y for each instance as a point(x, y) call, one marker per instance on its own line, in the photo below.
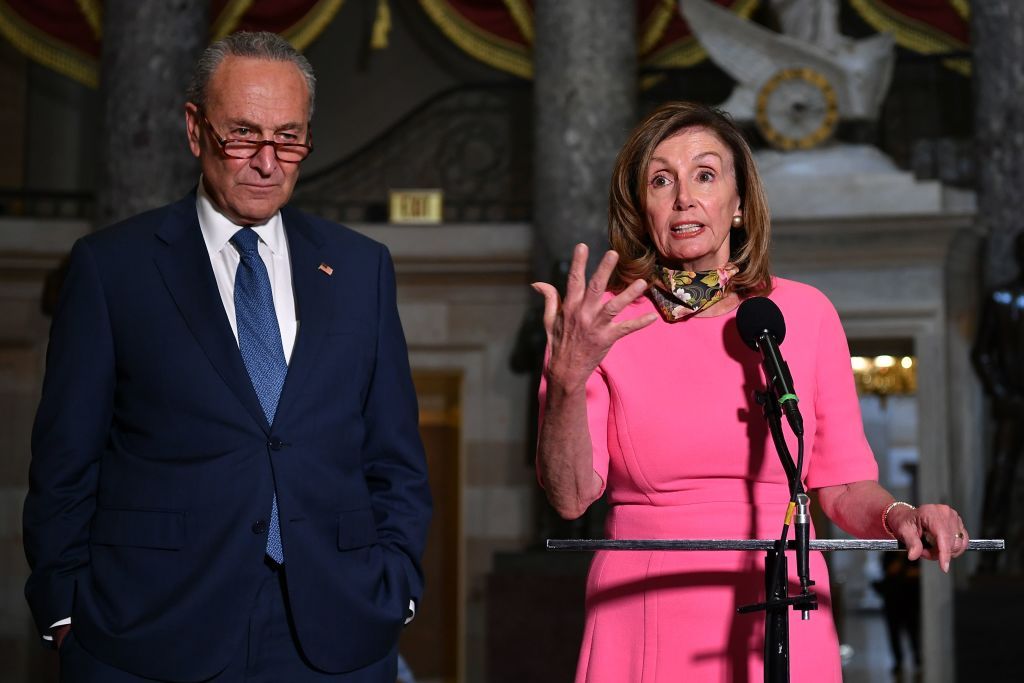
point(28, 251)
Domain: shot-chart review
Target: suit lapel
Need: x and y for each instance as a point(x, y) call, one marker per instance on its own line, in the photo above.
point(184, 264)
point(311, 287)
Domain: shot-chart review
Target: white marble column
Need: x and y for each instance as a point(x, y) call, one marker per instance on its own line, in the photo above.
point(148, 52)
point(584, 61)
point(997, 43)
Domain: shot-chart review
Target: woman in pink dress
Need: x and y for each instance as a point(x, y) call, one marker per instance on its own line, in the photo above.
point(647, 398)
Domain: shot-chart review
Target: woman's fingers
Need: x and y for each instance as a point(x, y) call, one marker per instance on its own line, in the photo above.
point(599, 280)
point(940, 549)
point(581, 315)
point(960, 540)
point(551, 303)
point(631, 326)
point(942, 529)
point(575, 282)
point(618, 303)
point(914, 544)
point(945, 526)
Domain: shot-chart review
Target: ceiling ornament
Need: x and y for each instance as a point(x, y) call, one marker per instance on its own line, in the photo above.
point(65, 35)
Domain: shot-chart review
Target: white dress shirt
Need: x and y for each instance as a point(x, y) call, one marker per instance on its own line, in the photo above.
point(224, 257)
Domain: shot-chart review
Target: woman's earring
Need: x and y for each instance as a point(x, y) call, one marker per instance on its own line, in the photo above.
point(737, 221)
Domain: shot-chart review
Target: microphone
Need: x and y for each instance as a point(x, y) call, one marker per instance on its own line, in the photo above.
point(763, 328)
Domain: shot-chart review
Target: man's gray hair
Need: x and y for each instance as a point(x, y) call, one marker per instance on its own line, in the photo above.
point(256, 45)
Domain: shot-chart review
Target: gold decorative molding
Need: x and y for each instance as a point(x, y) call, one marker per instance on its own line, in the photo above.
point(93, 13)
point(228, 18)
point(912, 34)
point(522, 14)
point(51, 53)
point(962, 8)
point(505, 55)
point(312, 24)
point(688, 51)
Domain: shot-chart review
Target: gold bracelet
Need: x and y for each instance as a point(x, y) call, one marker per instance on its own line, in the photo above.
point(885, 515)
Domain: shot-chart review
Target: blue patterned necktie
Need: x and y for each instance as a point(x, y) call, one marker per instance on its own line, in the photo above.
point(259, 340)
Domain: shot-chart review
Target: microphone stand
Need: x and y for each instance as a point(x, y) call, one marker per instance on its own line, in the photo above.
point(776, 620)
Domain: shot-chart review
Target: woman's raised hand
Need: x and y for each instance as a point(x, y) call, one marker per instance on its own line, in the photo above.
point(581, 329)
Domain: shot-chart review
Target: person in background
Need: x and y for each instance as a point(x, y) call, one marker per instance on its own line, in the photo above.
point(900, 589)
point(998, 357)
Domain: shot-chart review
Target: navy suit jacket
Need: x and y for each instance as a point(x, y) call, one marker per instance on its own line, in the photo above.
point(153, 466)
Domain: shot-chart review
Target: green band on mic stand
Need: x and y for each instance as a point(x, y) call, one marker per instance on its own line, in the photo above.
point(788, 397)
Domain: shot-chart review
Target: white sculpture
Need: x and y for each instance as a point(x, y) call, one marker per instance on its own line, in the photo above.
point(795, 85)
point(815, 22)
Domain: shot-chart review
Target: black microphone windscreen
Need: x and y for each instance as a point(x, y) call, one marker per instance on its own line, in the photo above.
point(755, 316)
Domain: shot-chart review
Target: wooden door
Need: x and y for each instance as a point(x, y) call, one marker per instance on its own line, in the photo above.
point(430, 644)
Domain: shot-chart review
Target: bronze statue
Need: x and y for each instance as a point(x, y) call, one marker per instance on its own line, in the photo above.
point(998, 357)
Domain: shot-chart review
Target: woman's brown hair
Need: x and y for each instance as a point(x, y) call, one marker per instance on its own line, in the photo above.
point(628, 232)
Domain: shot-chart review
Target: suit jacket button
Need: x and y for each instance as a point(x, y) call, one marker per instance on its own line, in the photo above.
point(275, 444)
point(260, 527)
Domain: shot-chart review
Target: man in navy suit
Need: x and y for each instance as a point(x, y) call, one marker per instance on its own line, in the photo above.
point(227, 481)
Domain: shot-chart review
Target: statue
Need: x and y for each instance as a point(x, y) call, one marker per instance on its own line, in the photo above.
point(810, 21)
point(998, 357)
point(795, 85)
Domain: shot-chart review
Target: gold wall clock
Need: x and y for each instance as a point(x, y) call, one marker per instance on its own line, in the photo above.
point(797, 109)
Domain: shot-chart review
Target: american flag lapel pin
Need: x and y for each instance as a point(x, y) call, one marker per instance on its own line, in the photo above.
point(323, 267)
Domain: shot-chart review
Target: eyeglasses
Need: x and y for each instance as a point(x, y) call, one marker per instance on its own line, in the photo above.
point(290, 152)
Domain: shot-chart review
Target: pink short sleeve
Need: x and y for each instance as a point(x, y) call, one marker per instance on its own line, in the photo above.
point(841, 453)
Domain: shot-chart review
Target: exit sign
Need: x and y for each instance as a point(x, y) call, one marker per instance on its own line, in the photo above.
point(415, 206)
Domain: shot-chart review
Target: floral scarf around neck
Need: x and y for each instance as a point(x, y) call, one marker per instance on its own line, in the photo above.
point(679, 294)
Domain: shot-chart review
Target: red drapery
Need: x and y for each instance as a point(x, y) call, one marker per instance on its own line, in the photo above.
point(65, 34)
point(942, 22)
point(924, 26)
point(500, 32)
